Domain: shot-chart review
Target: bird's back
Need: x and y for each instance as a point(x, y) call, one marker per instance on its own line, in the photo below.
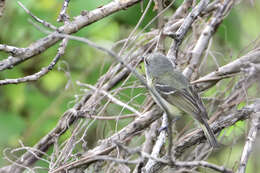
point(173, 78)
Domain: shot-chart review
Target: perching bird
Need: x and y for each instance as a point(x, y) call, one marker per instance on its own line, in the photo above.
point(172, 89)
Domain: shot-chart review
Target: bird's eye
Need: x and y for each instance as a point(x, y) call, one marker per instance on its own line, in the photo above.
point(146, 61)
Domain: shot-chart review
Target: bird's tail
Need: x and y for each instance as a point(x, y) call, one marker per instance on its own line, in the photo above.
point(210, 135)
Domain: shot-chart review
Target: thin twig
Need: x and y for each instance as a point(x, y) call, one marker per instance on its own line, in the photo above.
point(181, 32)
point(158, 145)
point(111, 97)
point(251, 137)
point(42, 72)
point(63, 16)
point(37, 19)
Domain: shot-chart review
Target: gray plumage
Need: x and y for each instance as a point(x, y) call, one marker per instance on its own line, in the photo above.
point(174, 89)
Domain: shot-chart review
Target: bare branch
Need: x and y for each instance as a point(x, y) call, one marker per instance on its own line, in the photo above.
point(112, 98)
point(202, 43)
point(251, 137)
point(44, 23)
point(216, 126)
point(228, 70)
point(129, 131)
point(78, 23)
point(157, 146)
point(63, 16)
point(11, 49)
point(42, 72)
point(181, 32)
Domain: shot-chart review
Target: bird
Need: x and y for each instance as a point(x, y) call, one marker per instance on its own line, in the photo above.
point(172, 89)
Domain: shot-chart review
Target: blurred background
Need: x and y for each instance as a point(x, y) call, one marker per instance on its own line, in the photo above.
point(29, 111)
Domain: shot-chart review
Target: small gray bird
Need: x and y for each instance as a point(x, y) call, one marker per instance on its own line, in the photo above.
point(172, 89)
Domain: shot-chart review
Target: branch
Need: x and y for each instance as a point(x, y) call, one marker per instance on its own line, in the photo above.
point(203, 41)
point(107, 146)
point(157, 146)
point(112, 98)
point(228, 70)
point(42, 72)
point(113, 77)
point(224, 122)
point(78, 23)
point(143, 122)
point(251, 137)
point(63, 16)
point(181, 32)
point(176, 164)
point(44, 23)
point(203, 164)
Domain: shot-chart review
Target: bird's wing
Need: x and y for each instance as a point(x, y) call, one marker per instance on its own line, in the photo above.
point(181, 98)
